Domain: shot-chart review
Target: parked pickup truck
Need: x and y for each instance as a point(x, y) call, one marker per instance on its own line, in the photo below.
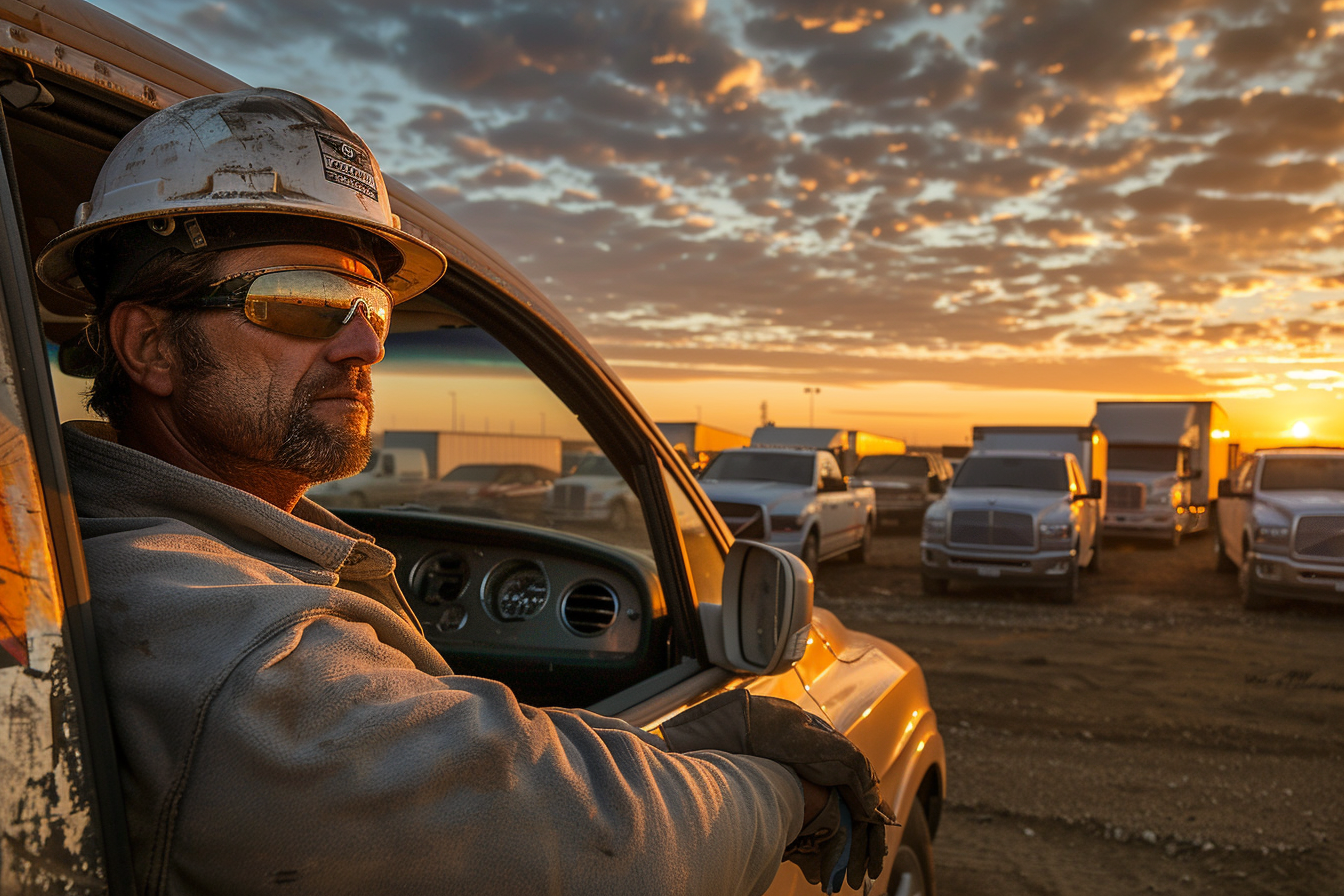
point(1025, 516)
point(795, 499)
point(1281, 525)
point(906, 484)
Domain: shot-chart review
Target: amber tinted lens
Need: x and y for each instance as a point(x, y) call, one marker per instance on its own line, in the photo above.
point(316, 304)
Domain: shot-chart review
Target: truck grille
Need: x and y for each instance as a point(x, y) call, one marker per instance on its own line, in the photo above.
point(744, 520)
point(1320, 536)
point(901, 496)
point(1125, 496)
point(569, 497)
point(1001, 528)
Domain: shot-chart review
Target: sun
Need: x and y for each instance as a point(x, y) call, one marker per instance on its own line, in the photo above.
point(1300, 430)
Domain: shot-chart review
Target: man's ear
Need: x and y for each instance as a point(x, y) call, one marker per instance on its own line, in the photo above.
point(136, 333)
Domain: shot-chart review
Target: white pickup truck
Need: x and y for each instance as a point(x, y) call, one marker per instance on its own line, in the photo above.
point(1027, 517)
point(795, 499)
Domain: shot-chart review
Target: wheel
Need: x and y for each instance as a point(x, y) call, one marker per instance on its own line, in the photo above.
point(1252, 598)
point(1068, 593)
point(811, 554)
point(1094, 565)
point(932, 585)
point(860, 553)
point(1221, 562)
point(912, 862)
point(620, 516)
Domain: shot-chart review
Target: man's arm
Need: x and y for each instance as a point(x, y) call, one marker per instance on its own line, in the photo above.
point(329, 755)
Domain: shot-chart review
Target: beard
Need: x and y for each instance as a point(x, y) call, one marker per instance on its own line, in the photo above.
point(246, 431)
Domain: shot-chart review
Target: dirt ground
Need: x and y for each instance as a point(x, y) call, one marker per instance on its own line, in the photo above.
point(1154, 737)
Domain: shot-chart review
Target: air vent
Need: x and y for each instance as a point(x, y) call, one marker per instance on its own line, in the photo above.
point(439, 577)
point(590, 608)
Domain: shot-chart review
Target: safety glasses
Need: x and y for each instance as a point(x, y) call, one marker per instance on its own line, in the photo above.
point(311, 302)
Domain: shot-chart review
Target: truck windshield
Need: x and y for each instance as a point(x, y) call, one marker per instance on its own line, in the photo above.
point(892, 465)
point(1282, 474)
point(1147, 458)
point(795, 469)
point(1042, 473)
point(595, 465)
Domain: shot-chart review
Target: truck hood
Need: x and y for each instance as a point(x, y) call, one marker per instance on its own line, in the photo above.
point(595, 482)
point(1295, 503)
point(755, 491)
point(1019, 500)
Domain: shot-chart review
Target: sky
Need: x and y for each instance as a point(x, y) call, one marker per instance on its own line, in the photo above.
point(937, 214)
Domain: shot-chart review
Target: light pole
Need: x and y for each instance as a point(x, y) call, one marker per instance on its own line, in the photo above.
point(811, 394)
point(454, 396)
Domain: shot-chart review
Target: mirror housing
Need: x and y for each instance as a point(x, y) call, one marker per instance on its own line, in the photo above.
point(761, 627)
point(834, 484)
point(1096, 489)
point(1225, 490)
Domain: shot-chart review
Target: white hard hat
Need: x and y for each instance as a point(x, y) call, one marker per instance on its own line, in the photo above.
point(250, 167)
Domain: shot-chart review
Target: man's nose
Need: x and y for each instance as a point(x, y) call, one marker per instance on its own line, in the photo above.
point(357, 341)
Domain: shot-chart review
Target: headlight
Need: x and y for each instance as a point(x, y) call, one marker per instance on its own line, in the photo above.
point(1056, 531)
point(784, 522)
point(1271, 534)
point(934, 528)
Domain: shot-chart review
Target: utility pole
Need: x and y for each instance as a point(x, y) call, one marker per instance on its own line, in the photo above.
point(811, 394)
point(454, 396)
point(765, 413)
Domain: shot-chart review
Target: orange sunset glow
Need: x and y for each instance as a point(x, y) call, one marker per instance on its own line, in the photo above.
point(938, 214)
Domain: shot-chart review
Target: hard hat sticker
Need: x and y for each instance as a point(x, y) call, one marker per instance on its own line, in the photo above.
point(346, 164)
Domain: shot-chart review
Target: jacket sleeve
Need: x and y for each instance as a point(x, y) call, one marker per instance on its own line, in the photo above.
point(330, 763)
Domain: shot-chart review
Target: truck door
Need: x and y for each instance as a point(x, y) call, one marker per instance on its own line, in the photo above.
point(1089, 513)
point(1234, 510)
point(837, 507)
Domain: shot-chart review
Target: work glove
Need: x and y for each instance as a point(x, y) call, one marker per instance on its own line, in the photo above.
point(738, 722)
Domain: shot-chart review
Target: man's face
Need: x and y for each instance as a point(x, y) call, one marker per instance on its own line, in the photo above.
point(288, 403)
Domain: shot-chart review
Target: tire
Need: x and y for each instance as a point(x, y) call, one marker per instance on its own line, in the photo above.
point(1252, 598)
point(1068, 592)
point(620, 516)
point(932, 585)
point(1094, 565)
point(811, 554)
point(860, 553)
point(1221, 562)
point(912, 861)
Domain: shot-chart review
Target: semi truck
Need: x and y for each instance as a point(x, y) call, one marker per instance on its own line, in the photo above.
point(848, 445)
point(445, 451)
point(1166, 458)
point(699, 444)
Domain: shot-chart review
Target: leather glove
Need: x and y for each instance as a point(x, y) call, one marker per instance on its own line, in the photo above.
point(738, 722)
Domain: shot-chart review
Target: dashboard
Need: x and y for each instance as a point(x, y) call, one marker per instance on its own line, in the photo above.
point(558, 617)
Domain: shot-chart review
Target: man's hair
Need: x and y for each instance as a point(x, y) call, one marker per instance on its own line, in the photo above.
point(168, 281)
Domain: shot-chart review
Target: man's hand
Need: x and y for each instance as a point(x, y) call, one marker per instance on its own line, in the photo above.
point(737, 722)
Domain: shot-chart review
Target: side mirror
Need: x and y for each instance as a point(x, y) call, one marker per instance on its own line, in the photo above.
point(762, 625)
point(1097, 489)
point(833, 484)
point(1225, 490)
point(936, 486)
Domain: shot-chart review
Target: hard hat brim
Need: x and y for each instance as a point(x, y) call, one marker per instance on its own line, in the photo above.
point(421, 268)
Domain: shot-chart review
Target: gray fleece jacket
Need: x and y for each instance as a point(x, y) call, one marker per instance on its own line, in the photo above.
point(285, 727)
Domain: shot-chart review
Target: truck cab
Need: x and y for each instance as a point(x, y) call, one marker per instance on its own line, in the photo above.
point(392, 476)
point(1280, 525)
point(795, 499)
point(905, 484)
point(1023, 517)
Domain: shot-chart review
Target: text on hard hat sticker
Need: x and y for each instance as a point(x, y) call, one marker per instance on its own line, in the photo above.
point(346, 164)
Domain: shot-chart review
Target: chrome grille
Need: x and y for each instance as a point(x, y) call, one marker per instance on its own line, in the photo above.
point(1125, 496)
point(1320, 536)
point(744, 520)
point(1001, 528)
point(569, 497)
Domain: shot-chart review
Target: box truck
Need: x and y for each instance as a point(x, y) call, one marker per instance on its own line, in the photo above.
point(445, 451)
point(1166, 458)
point(848, 445)
point(699, 444)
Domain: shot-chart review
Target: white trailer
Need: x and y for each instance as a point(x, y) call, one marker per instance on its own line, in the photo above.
point(848, 445)
point(446, 451)
point(1166, 460)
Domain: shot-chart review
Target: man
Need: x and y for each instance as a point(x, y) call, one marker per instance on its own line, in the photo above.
point(283, 723)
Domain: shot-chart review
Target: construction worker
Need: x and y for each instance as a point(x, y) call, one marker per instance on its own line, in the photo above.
point(282, 722)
